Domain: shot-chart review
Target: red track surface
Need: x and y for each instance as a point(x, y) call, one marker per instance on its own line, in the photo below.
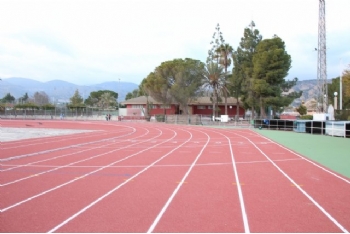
point(133, 177)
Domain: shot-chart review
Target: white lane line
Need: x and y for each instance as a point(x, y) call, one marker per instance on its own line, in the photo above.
point(159, 216)
point(71, 181)
point(62, 148)
point(119, 186)
point(240, 194)
point(306, 159)
point(70, 164)
point(330, 217)
point(55, 139)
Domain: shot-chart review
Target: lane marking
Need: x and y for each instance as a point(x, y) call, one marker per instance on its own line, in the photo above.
point(328, 215)
point(83, 160)
point(238, 184)
point(122, 184)
point(304, 158)
point(159, 216)
point(90, 173)
point(240, 194)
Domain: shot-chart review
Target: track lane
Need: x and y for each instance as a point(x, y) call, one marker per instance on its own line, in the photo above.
point(133, 207)
point(328, 189)
point(273, 203)
point(59, 193)
point(273, 189)
point(207, 200)
point(64, 171)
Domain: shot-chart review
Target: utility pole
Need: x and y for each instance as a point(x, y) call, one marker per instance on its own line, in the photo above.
point(340, 88)
point(321, 58)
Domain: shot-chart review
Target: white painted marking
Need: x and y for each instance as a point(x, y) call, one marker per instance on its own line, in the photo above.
point(119, 186)
point(330, 217)
point(324, 169)
point(240, 194)
point(159, 216)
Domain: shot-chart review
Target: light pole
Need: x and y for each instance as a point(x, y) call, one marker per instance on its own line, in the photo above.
point(118, 91)
point(335, 100)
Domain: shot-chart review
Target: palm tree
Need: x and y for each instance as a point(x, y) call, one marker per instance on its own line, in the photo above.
point(225, 52)
point(214, 78)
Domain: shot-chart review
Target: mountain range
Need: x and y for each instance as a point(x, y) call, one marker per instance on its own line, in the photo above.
point(62, 91)
point(59, 90)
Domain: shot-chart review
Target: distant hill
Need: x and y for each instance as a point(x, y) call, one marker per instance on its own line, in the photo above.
point(309, 88)
point(60, 90)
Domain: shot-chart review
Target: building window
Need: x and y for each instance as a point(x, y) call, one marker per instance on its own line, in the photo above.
point(137, 106)
point(151, 106)
point(165, 107)
point(210, 107)
point(201, 107)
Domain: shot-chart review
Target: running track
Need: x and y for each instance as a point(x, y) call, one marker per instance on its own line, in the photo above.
point(144, 177)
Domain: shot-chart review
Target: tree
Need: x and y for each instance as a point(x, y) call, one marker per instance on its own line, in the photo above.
point(243, 65)
point(24, 98)
point(158, 88)
point(225, 52)
point(237, 77)
point(106, 101)
point(188, 80)
point(135, 93)
point(214, 78)
point(41, 98)
point(76, 99)
point(335, 87)
point(177, 81)
point(8, 98)
point(271, 64)
point(346, 88)
point(302, 110)
point(217, 41)
point(94, 98)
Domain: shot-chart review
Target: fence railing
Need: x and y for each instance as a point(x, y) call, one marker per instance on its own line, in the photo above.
point(57, 114)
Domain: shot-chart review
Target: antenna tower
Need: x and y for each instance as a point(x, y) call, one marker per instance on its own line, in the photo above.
point(321, 58)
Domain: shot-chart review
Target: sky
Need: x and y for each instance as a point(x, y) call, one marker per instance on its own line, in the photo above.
point(87, 42)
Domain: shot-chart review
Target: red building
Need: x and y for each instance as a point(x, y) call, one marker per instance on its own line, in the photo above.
point(199, 106)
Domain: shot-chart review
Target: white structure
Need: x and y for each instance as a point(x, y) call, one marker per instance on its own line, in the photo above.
point(320, 116)
point(331, 112)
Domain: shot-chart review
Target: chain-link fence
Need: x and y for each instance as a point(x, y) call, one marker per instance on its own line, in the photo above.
point(58, 113)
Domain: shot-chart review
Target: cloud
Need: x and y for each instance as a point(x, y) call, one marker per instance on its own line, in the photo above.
point(92, 41)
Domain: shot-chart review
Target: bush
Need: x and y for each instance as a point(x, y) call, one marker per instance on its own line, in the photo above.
point(160, 118)
point(306, 117)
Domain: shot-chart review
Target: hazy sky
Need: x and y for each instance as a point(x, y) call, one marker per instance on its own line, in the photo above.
point(88, 42)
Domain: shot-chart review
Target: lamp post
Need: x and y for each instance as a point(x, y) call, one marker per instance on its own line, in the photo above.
point(118, 92)
point(335, 100)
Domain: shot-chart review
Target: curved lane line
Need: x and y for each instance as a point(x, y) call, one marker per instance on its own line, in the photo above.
point(81, 177)
point(61, 148)
point(70, 164)
point(122, 184)
point(298, 186)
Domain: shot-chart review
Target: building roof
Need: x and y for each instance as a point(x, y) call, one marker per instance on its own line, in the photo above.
point(198, 101)
point(140, 101)
point(207, 101)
